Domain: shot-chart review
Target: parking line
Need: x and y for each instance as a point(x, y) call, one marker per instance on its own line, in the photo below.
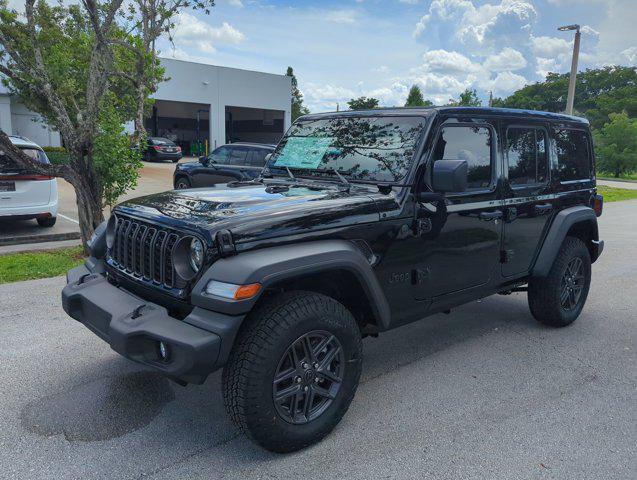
point(68, 218)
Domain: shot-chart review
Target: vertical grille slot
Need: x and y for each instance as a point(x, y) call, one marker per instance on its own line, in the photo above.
point(145, 251)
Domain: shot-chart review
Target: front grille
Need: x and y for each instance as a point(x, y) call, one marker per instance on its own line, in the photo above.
point(144, 251)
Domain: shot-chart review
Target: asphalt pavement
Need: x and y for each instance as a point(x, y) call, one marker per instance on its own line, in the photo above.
point(482, 393)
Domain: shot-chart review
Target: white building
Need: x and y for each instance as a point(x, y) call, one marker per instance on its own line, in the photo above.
point(198, 105)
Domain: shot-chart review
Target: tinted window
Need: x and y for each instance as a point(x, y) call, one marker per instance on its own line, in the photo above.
point(220, 155)
point(526, 152)
point(256, 157)
point(573, 156)
point(472, 144)
point(160, 141)
point(237, 156)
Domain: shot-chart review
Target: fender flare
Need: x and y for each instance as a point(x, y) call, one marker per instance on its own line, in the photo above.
point(271, 265)
point(558, 230)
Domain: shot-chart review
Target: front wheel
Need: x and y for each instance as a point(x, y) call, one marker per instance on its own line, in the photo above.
point(293, 371)
point(182, 184)
point(557, 299)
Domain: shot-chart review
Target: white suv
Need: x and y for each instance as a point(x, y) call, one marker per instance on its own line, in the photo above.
point(24, 195)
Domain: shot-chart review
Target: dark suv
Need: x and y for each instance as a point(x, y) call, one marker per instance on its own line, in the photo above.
point(363, 221)
point(235, 161)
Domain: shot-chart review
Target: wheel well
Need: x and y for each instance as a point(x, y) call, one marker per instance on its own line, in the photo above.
point(586, 231)
point(342, 285)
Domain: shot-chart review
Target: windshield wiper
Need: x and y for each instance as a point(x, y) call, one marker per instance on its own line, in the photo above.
point(292, 177)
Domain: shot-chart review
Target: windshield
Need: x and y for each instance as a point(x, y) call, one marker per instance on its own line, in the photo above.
point(360, 148)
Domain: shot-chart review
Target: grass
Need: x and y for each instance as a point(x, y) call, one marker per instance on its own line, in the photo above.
point(631, 177)
point(16, 267)
point(612, 194)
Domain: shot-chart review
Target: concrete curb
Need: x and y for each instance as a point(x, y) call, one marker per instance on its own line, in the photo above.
point(50, 237)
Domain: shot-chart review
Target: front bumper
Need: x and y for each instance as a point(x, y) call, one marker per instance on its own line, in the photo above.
point(133, 327)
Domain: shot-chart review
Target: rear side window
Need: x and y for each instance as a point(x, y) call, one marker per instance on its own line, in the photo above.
point(472, 144)
point(527, 157)
point(256, 157)
point(237, 156)
point(573, 155)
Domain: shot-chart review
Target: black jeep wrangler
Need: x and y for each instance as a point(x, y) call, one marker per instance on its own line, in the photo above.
point(360, 222)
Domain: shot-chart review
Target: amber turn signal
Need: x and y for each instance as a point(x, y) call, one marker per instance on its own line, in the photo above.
point(247, 291)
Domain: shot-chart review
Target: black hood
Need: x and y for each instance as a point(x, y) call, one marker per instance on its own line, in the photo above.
point(258, 211)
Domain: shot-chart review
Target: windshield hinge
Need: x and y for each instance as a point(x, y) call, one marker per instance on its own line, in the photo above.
point(225, 244)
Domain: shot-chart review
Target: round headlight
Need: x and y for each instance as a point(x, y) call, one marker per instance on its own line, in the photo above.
point(196, 254)
point(111, 229)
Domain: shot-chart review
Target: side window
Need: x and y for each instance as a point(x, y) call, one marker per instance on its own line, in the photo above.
point(573, 155)
point(472, 144)
point(220, 155)
point(527, 157)
point(237, 156)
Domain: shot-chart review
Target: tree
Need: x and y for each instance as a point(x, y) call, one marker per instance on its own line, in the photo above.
point(73, 65)
point(298, 108)
point(468, 98)
point(616, 145)
point(362, 103)
point(598, 93)
point(147, 20)
point(415, 98)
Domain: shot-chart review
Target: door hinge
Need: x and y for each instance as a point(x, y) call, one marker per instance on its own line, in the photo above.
point(506, 256)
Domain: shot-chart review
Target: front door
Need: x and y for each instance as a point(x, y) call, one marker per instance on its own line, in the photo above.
point(528, 207)
point(463, 249)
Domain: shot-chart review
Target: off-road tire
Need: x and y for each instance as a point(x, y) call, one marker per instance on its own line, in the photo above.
point(46, 222)
point(261, 344)
point(544, 292)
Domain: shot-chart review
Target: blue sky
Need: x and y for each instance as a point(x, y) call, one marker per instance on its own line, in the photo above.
point(347, 48)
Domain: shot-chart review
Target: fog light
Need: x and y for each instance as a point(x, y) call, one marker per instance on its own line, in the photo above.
point(163, 351)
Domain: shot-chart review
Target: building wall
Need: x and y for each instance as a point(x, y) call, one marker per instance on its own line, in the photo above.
point(5, 113)
point(28, 124)
point(220, 87)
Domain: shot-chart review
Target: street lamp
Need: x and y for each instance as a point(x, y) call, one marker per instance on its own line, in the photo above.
point(571, 83)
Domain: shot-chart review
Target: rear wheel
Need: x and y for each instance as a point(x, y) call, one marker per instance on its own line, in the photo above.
point(557, 299)
point(46, 222)
point(293, 371)
point(182, 183)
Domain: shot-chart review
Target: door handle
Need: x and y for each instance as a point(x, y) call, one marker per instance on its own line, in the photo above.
point(490, 215)
point(543, 208)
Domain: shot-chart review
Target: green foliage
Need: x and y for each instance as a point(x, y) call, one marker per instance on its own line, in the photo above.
point(612, 194)
point(16, 267)
point(598, 93)
point(362, 103)
point(616, 145)
point(415, 98)
point(468, 98)
point(117, 160)
point(298, 109)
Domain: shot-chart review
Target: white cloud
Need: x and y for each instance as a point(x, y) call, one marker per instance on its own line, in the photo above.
point(448, 62)
point(505, 83)
point(189, 31)
point(507, 59)
point(342, 16)
point(630, 54)
point(550, 46)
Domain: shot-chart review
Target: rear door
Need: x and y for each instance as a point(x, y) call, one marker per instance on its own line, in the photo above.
point(20, 188)
point(527, 185)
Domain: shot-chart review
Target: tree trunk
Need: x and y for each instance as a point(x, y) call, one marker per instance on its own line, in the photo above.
point(88, 196)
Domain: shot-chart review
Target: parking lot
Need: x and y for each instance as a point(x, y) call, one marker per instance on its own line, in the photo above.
point(154, 177)
point(485, 392)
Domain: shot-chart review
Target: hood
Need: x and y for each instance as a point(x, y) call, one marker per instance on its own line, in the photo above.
point(257, 211)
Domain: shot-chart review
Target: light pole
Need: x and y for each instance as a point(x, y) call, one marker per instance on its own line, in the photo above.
point(571, 83)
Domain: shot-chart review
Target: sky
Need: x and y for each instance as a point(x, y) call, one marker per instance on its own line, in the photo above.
point(348, 48)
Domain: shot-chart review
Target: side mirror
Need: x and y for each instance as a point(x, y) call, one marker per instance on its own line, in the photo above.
point(203, 160)
point(450, 176)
